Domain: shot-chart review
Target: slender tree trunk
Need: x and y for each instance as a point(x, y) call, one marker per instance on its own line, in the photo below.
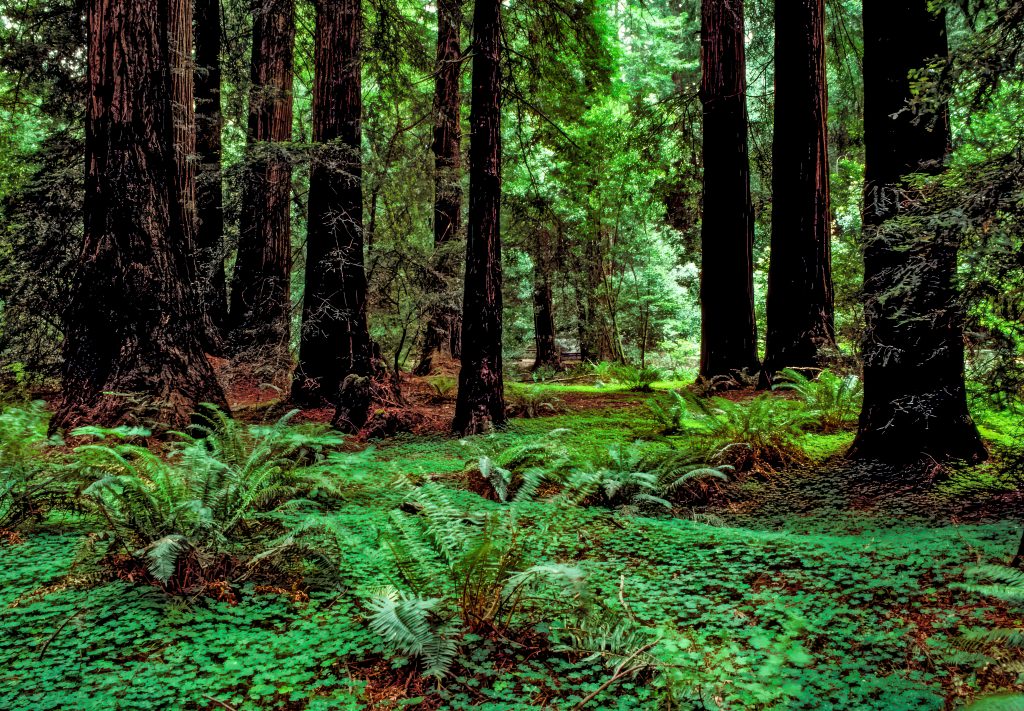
point(801, 322)
point(132, 349)
point(209, 193)
point(335, 338)
point(728, 328)
point(915, 402)
point(481, 399)
point(260, 298)
point(444, 322)
point(547, 355)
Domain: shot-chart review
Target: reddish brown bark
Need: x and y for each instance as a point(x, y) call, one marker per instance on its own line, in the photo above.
point(209, 189)
point(260, 300)
point(444, 324)
point(132, 349)
point(547, 355)
point(728, 328)
point(800, 307)
point(335, 339)
point(481, 399)
point(915, 402)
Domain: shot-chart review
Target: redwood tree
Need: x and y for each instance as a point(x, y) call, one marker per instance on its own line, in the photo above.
point(481, 398)
point(209, 194)
point(801, 324)
point(260, 299)
point(915, 401)
point(444, 323)
point(547, 355)
point(132, 345)
point(335, 340)
point(728, 328)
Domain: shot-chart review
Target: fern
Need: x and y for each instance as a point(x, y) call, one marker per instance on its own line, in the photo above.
point(635, 379)
point(519, 472)
point(1003, 647)
point(832, 402)
point(33, 476)
point(669, 417)
point(413, 626)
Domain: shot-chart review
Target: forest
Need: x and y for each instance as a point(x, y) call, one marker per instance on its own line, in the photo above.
point(511, 354)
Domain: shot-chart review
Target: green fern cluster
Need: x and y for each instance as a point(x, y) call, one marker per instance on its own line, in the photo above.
point(635, 379)
point(524, 401)
point(33, 478)
point(519, 472)
point(459, 572)
point(221, 493)
point(671, 416)
point(760, 435)
point(832, 401)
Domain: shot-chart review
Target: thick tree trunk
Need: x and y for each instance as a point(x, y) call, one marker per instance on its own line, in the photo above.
point(801, 323)
point(260, 298)
point(132, 350)
point(481, 398)
point(728, 328)
point(179, 33)
point(335, 339)
point(209, 192)
point(444, 322)
point(547, 355)
point(915, 401)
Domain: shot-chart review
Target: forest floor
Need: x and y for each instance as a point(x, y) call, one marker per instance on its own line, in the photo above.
point(825, 586)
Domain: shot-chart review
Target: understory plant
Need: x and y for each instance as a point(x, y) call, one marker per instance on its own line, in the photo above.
point(635, 379)
point(832, 401)
point(760, 435)
point(1002, 647)
point(33, 477)
point(442, 386)
point(217, 498)
point(459, 572)
point(670, 416)
point(524, 401)
point(519, 472)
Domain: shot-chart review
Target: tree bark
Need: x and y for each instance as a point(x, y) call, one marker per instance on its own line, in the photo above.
point(183, 110)
point(547, 355)
point(132, 350)
point(335, 339)
point(915, 402)
point(800, 306)
point(260, 299)
point(209, 192)
point(481, 398)
point(728, 328)
point(444, 323)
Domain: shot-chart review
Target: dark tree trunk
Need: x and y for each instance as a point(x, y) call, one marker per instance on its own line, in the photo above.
point(132, 349)
point(728, 328)
point(801, 323)
point(179, 34)
point(543, 310)
point(481, 398)
point(209, 193)
point(335, 339)
point(260, 298)
point(915, 402)
point(444, 322)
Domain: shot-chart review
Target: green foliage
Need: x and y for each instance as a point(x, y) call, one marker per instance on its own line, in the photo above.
point(760, 435)
point(33, 480)
point(1002, 646)
point(635, 379)
point(833, 402)
point(443, 386)
point(528, 402)
point(217, 496)
point(671, 416)
point(518, 473)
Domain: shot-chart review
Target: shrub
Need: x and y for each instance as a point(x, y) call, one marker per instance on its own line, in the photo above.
point(669, 416)
point(524, 401)
point(462, 572)
point(518, 472)
point(760, 435)
point(33, 479)
point(213, 503)
point(635, 379)
point(833, 402)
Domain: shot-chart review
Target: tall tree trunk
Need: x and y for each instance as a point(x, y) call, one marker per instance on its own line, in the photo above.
point(444, 320)
point(260, 298)
point(335, 339)
point(209, 193)
point(547, 355)
point(915, 402)
point(481, 399)
point(179, 33)
point(801, 314)
point(132, 349)
point(728, 328)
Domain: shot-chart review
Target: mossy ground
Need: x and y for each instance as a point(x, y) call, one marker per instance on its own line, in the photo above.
point(817, 588)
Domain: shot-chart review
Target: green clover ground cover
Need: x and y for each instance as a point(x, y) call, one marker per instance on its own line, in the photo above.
point(807, 590)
